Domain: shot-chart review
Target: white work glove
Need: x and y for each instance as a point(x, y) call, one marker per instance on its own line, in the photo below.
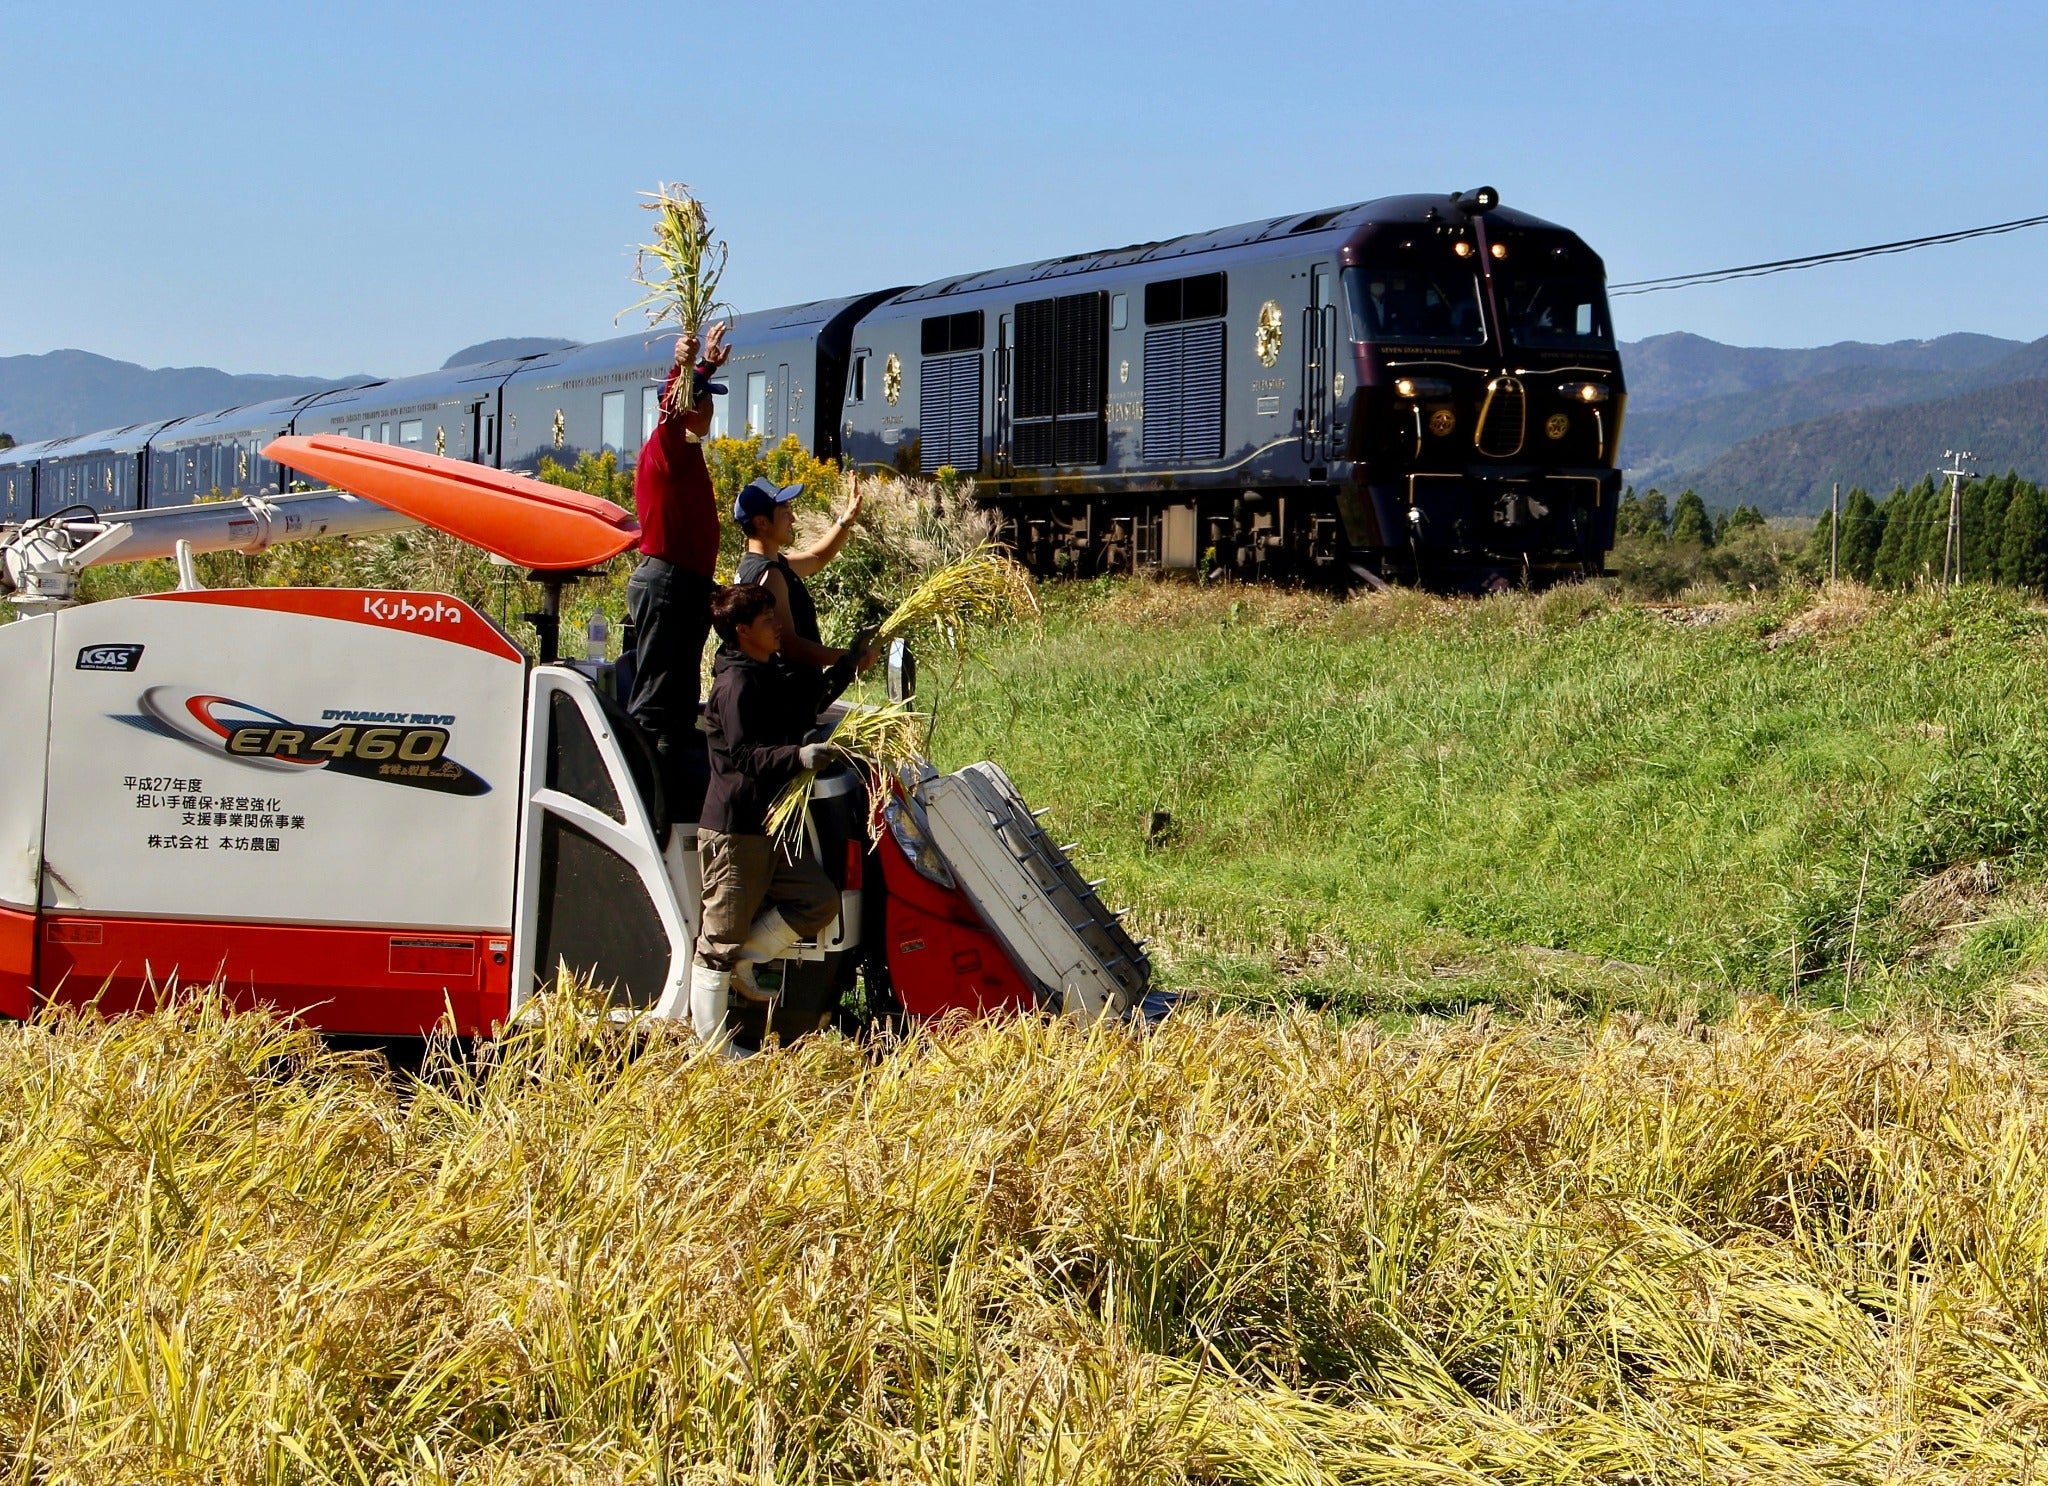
point(816, 756)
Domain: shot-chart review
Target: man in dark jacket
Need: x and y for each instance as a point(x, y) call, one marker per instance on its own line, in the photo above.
point(757, 904)
point(669, 594)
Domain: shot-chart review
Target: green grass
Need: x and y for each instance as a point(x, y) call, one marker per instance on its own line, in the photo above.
point(1399, 805)
point(1396, 805)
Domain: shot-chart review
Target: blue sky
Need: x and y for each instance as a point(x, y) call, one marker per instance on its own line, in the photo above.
point(371, 186)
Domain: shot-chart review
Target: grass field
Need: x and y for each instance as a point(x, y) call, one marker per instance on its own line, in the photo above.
point(1396, 804)
point(1613, 1052)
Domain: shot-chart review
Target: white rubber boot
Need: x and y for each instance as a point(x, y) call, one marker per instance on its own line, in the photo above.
point(770, 939)
point(708, 997)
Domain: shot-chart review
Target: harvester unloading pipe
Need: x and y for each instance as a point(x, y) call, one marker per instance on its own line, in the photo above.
point(40, 561)
point(371, 809)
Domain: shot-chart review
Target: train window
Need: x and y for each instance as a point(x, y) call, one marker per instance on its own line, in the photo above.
point(857, 380)
point(1119, 311)
point(650, 411)
point(384, 433)
point(1170, 301)
point(757, 402)
point(411, 431)
point(368, 432)
point(945, 334)
point(1562, 312)
point(1416, 304)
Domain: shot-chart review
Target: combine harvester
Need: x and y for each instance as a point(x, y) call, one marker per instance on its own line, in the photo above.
point(371, 810)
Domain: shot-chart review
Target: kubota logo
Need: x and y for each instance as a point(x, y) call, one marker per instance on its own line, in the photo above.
point(396, 609)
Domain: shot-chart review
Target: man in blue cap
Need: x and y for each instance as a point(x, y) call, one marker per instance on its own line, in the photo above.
point(766, 514)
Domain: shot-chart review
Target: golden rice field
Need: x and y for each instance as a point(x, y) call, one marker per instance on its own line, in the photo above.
point(1276, 1249)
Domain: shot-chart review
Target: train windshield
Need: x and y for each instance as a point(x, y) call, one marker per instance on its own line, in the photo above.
point(1416, 304)
point(1566, 312)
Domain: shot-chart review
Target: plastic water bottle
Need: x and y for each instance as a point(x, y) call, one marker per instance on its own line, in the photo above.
point(596, 639)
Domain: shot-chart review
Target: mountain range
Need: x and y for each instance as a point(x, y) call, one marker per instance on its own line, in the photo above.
point(1773, 427)
point(1777, 428)
point(67, 392)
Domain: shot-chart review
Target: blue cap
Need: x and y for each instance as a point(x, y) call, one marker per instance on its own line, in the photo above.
point(761, 498)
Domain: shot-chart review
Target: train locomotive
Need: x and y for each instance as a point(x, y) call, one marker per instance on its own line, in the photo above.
point(1416, 389)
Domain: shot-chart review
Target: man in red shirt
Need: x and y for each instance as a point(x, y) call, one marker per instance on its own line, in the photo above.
point(668, 597)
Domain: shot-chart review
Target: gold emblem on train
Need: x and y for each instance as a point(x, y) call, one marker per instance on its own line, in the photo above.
point(1337, 385)
point(1267, 341)
point(440, 440)
point(1123, 371)
point(1557, 426)
point(892, 378)
point(561, 429)
point(1442, 421)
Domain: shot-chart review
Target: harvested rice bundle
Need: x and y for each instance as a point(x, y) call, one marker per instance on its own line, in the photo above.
point(679, 270)
point(983, 588)
point(878, 740)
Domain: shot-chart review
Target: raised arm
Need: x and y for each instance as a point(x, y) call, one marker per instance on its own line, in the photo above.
point(696, 420)
point(822, 551)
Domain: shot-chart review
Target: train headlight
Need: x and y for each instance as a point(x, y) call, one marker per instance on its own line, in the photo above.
point(1419, 388)
point(1590, 393)
point(1462, 249)
point(1499, 250)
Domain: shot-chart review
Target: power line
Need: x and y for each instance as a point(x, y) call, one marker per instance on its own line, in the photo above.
point(1815, 260)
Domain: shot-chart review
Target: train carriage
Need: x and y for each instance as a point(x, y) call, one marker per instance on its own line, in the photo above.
point(786, 378)
point(221, 453)
point(107, 471)
point(456, 411)
point(18, 467)
point(587, 399)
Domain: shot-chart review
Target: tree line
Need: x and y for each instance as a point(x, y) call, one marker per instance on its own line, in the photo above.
point(1663, 545)
point(1899, 541)
point(1688, 521)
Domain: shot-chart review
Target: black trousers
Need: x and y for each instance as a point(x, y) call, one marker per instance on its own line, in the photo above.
point(671, 612)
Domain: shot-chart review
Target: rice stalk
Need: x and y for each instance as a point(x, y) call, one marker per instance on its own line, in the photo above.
point(982, 589)
point(680, 270)
point(1238, 1249)
point(879, 741)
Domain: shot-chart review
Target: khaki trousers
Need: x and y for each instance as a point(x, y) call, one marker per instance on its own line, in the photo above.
point(743, 876)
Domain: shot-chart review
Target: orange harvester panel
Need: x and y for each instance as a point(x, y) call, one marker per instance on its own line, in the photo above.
point(523, 520)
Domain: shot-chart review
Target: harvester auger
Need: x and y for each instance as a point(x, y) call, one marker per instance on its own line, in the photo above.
point(373, 810)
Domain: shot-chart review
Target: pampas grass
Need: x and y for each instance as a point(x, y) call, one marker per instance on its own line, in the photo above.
point(1232, 1250)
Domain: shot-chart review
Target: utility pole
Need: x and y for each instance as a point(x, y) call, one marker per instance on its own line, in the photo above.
point(1835, 535)
point(1952, 548)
